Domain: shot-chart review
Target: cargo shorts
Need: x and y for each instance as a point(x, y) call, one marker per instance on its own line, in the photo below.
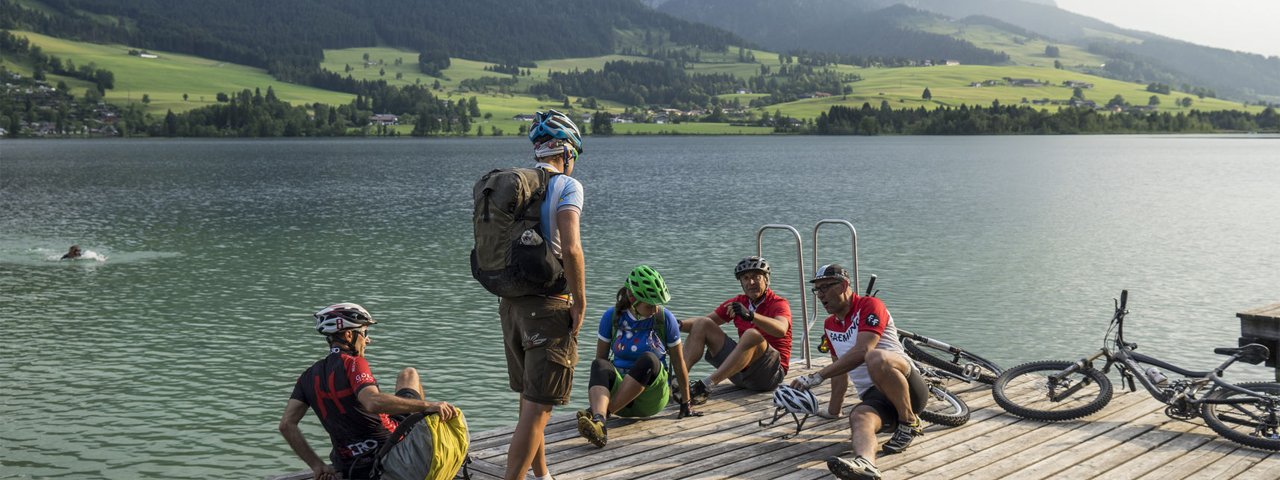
point(537, 334)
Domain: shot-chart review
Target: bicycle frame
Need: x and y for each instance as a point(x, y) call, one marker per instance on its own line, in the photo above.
point(1129, 363)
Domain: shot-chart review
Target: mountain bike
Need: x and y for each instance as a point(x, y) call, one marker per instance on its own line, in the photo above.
point(1246, 413)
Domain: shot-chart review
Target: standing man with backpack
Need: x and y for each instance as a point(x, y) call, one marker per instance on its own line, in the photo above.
point(528, 252)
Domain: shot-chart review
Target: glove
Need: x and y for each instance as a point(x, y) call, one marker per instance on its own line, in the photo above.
point(686, 411)
point(811, 380)
point(740, 311)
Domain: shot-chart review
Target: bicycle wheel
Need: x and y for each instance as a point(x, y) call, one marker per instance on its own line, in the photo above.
point(944, 408)
point(966, 364)
point(1081, 393)
point(1251, 424)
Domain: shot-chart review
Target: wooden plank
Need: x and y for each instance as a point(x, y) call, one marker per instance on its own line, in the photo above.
point(1186, 465)
point(1266, 469)
point(1231, 465)
point(1022, 435)
point(1268, 311)
point(1157, 457)
point(1119, 446)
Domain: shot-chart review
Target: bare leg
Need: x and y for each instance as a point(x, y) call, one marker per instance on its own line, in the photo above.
point(629, 390)
point(528, 445)
point(863, 425)
point(408, 378)
point(889, 373)
point(750, 347)
point(704, 335)
point(598, 399)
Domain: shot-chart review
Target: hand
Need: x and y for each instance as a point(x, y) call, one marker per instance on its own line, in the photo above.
point(687, 411)
point(577, 311)
point(446, 411)
point(323, 471)
point(806, 382)
point(740, 311)
point(827, 414)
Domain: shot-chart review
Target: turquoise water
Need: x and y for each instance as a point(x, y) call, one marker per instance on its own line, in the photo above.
point(171, 352)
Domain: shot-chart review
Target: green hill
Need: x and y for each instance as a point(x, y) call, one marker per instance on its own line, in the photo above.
point(166, 78)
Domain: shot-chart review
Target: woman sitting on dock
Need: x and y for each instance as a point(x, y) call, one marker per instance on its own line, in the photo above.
point(638, 332)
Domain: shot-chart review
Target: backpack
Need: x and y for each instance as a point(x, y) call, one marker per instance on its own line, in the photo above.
point(659, 327)
point(510, 258)
point(424, 447)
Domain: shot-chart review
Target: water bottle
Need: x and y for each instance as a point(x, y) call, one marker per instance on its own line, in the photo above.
point(1157, 377)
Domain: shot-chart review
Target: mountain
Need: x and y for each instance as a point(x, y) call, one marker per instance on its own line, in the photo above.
point(885, 27)
point(296, 32)
point(849, 27)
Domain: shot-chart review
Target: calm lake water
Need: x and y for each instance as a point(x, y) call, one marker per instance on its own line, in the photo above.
point(171, 353)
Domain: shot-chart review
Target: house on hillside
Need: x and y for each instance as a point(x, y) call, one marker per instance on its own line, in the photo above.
point(384, 119)
point(1075, 84)
point(1022, 82)
point(1078, 102)
point(952, 63)
point(521, 117)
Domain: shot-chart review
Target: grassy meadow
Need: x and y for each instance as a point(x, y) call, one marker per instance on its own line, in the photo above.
point(167, 78)
point(949, 85)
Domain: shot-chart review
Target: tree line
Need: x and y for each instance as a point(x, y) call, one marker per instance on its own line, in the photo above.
point(998, 119)
point(288, 37)
point(639, 83)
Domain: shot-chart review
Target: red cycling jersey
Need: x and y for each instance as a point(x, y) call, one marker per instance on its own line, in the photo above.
point(331, 388)
point(770, 306)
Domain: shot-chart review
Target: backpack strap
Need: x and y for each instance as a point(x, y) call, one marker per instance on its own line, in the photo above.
point(396, 437)
point(659, 326)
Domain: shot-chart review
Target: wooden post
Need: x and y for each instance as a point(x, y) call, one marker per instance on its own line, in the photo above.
point(1262, 325)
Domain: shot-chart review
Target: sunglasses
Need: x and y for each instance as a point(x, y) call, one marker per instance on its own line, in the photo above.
point(820, 289)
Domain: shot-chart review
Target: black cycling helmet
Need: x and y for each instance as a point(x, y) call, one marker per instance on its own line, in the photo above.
point(752, 263)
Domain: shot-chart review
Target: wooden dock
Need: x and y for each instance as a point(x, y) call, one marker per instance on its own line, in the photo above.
point(1129, 439)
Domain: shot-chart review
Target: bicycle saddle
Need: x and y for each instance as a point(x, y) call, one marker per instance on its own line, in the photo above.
point(1252, 353)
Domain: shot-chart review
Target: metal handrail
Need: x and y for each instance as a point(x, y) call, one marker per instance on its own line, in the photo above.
point(804, 303)
point(854, 232)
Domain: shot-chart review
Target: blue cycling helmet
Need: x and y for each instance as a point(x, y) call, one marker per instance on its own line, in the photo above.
point(555, 125)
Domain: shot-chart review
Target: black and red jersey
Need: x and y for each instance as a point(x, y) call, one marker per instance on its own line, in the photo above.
point(331, 387)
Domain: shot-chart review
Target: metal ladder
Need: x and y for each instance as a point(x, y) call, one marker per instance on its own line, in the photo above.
point(804, 293)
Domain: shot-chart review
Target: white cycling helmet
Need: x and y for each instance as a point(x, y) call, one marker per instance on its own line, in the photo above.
point(795, 401)
point(342, 316)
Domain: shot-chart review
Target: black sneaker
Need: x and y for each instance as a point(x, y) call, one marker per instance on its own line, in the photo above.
point(592, 428)
point(699, 392)
point(857, 469)
point(903, 436)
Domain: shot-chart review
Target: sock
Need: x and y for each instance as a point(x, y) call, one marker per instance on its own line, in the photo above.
point(709, 381)
point(548, 477)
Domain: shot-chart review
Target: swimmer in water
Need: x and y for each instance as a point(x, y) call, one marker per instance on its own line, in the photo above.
point(73, 253)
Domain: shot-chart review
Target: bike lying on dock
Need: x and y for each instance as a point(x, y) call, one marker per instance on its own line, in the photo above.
point(1246, 413)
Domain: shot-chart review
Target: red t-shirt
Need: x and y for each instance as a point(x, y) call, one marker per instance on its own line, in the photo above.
point(866, 314)
point(331, 388)
point(770, 306)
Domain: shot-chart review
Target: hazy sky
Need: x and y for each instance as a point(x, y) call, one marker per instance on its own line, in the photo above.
point(1245, 25)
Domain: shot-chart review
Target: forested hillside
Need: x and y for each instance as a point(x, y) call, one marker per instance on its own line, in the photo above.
point(289, 35)
point(833, 26)
point(886, 28)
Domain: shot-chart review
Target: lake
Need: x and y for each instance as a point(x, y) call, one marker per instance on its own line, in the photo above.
point(171, 353)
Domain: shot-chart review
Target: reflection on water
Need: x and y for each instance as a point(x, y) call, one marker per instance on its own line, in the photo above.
point(173, 357)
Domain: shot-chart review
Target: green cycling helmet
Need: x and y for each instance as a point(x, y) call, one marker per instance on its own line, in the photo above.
point(647, 285)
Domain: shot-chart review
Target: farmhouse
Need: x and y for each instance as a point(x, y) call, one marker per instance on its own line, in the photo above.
point(384, 119)
point(1076, 84)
